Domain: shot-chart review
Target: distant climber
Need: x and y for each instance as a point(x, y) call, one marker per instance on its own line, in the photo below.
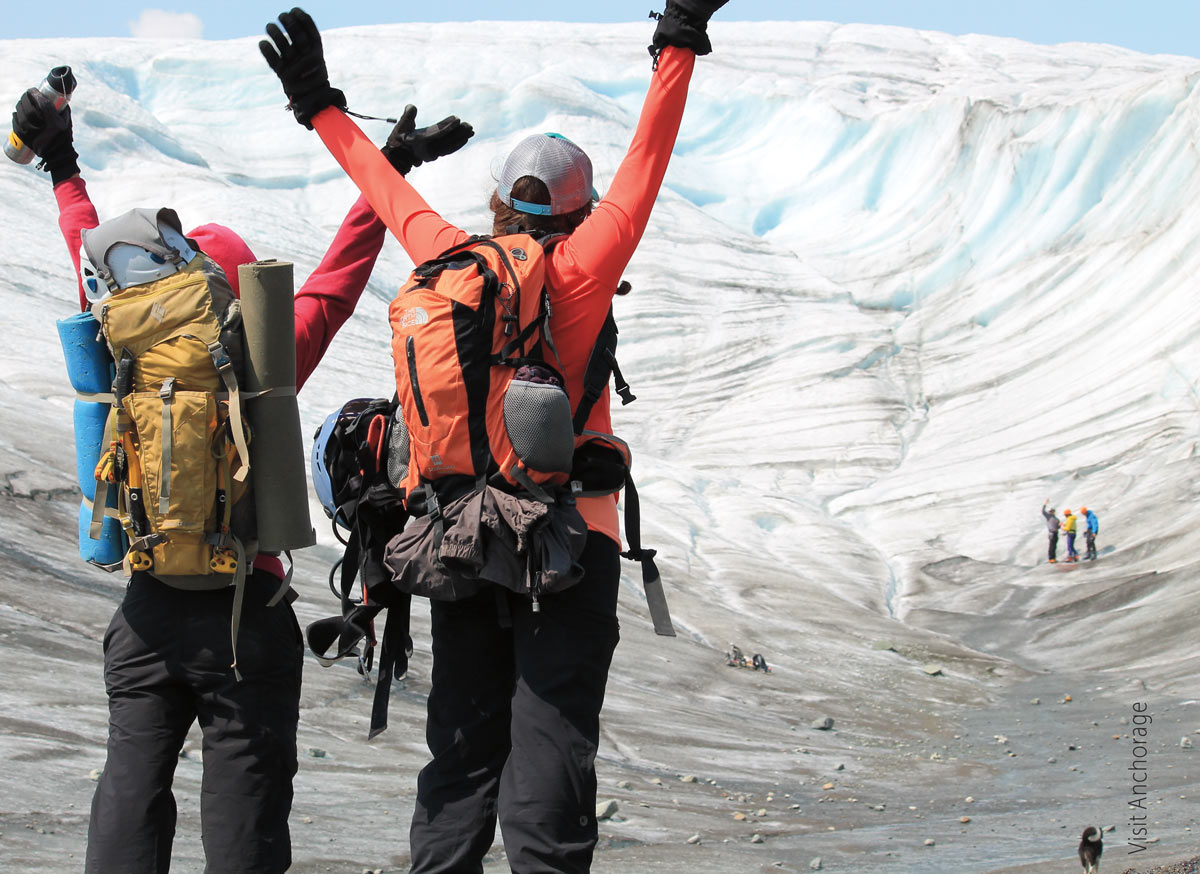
point(1093, 528)
point(734, 657)
point(1051, 526)
point(1068, 525)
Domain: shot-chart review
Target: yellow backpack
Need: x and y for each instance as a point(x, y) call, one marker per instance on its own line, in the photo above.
point(177, 441)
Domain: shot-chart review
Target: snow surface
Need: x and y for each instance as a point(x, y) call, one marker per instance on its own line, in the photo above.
point(899, 288)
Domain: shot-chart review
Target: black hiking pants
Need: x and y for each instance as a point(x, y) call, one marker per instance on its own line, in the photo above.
point(167, 656)
point(514, 723)
point(1053, 546)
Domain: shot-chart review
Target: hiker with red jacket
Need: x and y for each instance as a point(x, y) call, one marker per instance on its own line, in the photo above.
point(161, 673)
point(516, 694)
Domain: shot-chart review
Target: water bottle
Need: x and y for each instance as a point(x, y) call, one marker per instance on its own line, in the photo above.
point(56, 89)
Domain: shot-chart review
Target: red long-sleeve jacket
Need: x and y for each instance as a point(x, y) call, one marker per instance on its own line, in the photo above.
point(584, 270)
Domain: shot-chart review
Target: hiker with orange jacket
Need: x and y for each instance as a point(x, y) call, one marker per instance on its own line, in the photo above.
point(513, 710)
point(162, 674)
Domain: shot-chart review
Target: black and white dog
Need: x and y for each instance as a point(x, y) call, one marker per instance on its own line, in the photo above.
point(1091, 846)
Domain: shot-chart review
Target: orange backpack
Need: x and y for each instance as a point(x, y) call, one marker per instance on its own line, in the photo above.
point(478, 394)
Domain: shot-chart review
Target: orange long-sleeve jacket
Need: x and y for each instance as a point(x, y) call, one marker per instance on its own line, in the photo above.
point(582, 272)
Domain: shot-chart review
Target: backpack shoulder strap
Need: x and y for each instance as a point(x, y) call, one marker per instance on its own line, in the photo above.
point(602, 364)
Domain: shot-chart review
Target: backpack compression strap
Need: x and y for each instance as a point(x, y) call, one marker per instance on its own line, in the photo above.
point(224, 366)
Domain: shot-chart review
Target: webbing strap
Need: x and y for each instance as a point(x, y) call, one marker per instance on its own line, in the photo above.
point(239, 595)
point(434, 511)
point(546, 336)
point(96, 397)
point(518, 341)
point(167, 393)
point(656, 599)
point(225, 368)
point(100, 509)
point(518, 473)
point(105, 510)
point(601, 365)
point(279, 391)
point(285, 583)
point(394, 651)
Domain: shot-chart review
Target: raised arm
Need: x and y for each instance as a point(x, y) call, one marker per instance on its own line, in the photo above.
point(50, 134)
point(601, 247)
point(295, 53)
point(76, 213)
point(421, 231)
point(330, 294)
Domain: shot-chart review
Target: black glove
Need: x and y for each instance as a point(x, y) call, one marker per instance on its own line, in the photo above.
point(407, 147)
point(299, 61)
point(48, 133)
point(684, 23)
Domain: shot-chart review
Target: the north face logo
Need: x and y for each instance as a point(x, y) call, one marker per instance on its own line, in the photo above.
point(436, 463)
point(158, 312)
point(412, 317)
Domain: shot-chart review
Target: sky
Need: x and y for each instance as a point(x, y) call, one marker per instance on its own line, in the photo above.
point(1156, 26)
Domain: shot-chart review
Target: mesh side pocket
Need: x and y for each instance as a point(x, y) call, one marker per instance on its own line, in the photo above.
point(397, 449)
point(537, 417)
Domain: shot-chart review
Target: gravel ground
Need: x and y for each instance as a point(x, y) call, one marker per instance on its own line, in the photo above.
point(1188, 866)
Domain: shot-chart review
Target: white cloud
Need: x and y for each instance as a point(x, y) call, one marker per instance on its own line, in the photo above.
point(157, 24)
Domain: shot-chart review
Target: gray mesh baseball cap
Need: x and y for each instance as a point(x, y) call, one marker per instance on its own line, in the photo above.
point(557, 162)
